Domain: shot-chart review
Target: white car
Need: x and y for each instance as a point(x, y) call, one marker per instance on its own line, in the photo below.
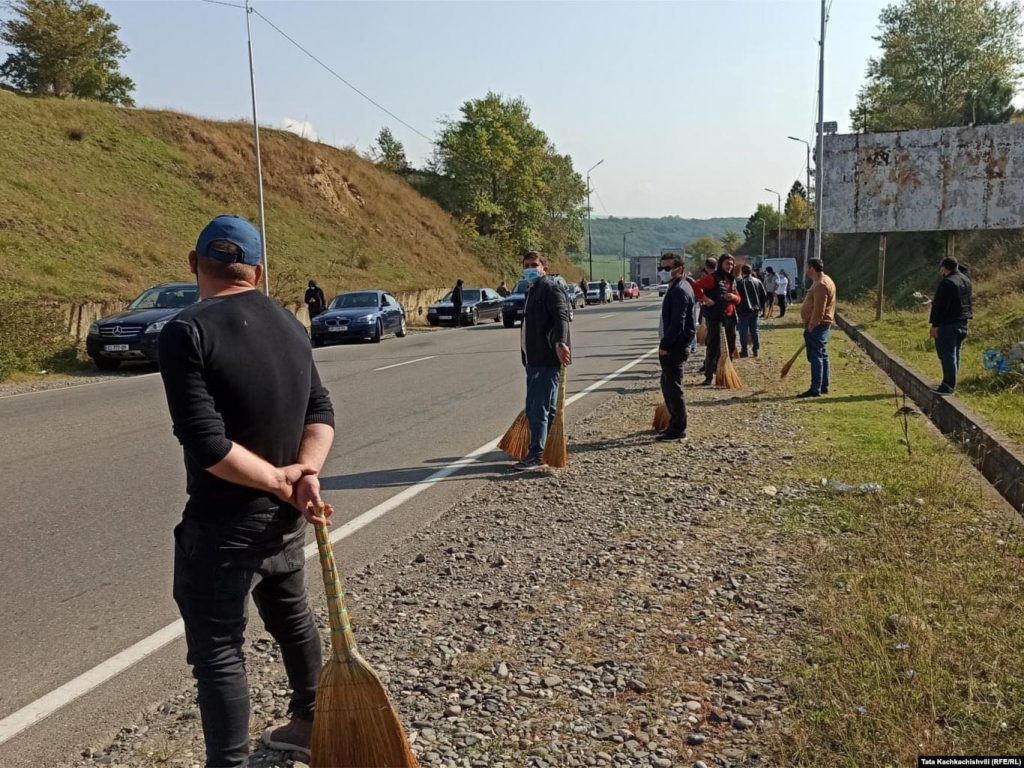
point(594, 293)
point(662, 289)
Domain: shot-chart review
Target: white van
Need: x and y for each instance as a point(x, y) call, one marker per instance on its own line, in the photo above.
point(792, 271)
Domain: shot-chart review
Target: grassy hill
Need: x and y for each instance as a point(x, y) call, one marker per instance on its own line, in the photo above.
point(651, 235)
point(98, 202)
point(996, 264)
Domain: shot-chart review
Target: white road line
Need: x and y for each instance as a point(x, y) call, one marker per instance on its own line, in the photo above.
point(602, 317)
point(46, 705)
point(407, 362)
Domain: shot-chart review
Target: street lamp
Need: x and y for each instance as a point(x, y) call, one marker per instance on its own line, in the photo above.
point(778, 195)
point(807, 237)
point(590, 233)
point(627, 232)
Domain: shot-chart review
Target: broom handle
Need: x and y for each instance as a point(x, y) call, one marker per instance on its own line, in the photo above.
point(561, 389)
point(343, 641)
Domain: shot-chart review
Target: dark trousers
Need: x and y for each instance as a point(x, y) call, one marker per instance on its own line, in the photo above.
point(783, 302)
point(215, 568)
point(714, 349)
point(748, 327)
point(816, 340)
point(457, 311)
point(948, 341)
point(541, 401)
point(672, 386)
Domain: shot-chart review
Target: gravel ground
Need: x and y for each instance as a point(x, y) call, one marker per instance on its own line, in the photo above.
point(627, 611)
point(46, 382)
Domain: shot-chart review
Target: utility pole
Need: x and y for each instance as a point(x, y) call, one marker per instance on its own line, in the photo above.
point(628, 232)
point(819, 175)
point(807, 238)
point(590, 232)
point(259, 164)
point(779, 209)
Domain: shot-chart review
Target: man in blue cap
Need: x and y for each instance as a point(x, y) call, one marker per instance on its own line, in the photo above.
point(256, 425)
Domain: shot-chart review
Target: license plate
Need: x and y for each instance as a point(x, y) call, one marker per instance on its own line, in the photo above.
point(444, 314)
point(337, 329)
point(115, 348)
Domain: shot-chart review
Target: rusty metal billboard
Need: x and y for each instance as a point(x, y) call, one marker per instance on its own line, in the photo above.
point(923, 181)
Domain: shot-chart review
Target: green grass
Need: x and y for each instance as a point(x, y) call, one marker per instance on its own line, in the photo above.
point(916, 632)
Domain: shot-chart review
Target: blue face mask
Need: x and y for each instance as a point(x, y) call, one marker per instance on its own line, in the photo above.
point(531, 274)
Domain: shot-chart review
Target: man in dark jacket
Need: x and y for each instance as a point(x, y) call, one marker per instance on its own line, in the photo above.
point(622, 290)
point(256, 425)
point(950, 316)
point(315, 300)
point(604, 291)
point(752, 300)
point(715, 292)
point(677, 331)
point(457, 302)
point(545, 346)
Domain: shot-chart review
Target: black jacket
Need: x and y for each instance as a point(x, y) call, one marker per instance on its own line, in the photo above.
point(753, 295)
point(545, 323)
point(952, 302)
point(677, 322)
point(457, 295)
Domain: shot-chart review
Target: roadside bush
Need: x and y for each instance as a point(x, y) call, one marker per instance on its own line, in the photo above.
point(32, 336)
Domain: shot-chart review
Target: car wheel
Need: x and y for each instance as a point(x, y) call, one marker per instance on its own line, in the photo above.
point(474, 318)
point(106, 363)
point(379, 335)
point(497, 317)
point(401, 330)
point(508, 322)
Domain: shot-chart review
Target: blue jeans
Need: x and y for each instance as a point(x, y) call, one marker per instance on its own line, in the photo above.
point(948, 340)
point(816, 340)
point(748, 326)
point(541, 401)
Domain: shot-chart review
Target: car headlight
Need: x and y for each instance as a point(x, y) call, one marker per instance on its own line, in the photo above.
point(156, 327)
point(94, 328)
point(363, 320)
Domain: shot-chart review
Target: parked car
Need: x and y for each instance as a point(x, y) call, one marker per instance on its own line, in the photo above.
point(662, 289)
point(477, 304)
point(575, 295)
point(131, 335)
point(512, 308)
point(360, 315)
point(632, 291)
point(594, 292)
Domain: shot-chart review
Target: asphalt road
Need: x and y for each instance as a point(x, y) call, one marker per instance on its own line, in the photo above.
point(95, 484)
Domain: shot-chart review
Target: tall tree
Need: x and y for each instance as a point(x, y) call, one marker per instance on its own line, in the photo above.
point(732, 241)
point(705, 247)
point(937, 57)
point(799, 213)
point(766, 213)
point(797, 190)
point(389, 153)
point(65, 48)
point(506, 177)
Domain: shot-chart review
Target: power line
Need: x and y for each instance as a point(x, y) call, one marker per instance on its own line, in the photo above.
point(603, 206)
point(221, 2)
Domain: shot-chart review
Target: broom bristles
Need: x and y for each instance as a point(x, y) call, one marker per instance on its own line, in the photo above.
point(662, 418)
point(725, 373)
point(702, 334)
point(516, 441)
point(787, 366)
point(355, 725)
point(556, 447)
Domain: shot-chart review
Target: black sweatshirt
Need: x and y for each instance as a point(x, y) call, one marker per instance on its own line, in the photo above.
point(952, 302)
point(239, 369)
point(677, 322)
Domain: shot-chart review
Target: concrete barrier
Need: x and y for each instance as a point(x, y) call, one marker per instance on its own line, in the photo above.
point(988, 449)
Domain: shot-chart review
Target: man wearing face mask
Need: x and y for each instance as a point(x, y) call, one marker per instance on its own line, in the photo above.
point(545, 346)
point(677, 331)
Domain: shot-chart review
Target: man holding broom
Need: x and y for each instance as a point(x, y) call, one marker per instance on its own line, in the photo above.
point(678, 330)
point(818, 314)
point(715, 291)
point(545, 346)
point(256, 425)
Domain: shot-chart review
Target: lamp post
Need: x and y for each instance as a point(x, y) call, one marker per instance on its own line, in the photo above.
point(778, 255)
point(819, 191)
point(590, 233)
point(627, 232)
point(259, 165)
point(807, 239)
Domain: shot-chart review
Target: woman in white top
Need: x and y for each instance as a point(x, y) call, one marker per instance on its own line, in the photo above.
point(782, 292)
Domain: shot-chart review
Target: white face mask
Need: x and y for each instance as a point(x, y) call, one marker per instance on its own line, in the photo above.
point(664, 274)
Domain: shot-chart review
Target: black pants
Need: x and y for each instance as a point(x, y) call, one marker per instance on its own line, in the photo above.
point(215, 568)
point(672, 386)
point(714, 348)
point(457, 309)
point(783, 303)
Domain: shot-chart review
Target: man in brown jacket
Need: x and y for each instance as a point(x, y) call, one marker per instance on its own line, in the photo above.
point(818, 314)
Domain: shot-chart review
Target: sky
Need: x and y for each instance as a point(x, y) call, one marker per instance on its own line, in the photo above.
point(689, 104)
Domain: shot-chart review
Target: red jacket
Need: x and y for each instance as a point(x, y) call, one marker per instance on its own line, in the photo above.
point(711, 283)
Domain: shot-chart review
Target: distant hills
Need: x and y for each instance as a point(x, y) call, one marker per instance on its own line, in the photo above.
point(651, 235)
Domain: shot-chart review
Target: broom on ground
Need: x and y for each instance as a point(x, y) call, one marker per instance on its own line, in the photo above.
point(725, 374)
point(662, 418)
point(556, 448)
point(516, 441)
point(702, 334)
point(354, 725)
point(787, 366)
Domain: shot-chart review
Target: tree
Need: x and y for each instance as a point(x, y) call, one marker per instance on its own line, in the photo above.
point(732, 242)
point(938, 57)
point(65, 48)
point(992, 104)
point(799, 213)
point(797, 190)
point(389, 153)
point(506, 177)
point(753, 231)
point(705, 247)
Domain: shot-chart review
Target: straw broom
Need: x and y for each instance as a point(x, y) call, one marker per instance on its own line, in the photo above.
point(556, 448)
point(516, 441)
point(662, 418)
point(354, 725)
point(725, 374)
point(787, 366)
point(702, 334)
